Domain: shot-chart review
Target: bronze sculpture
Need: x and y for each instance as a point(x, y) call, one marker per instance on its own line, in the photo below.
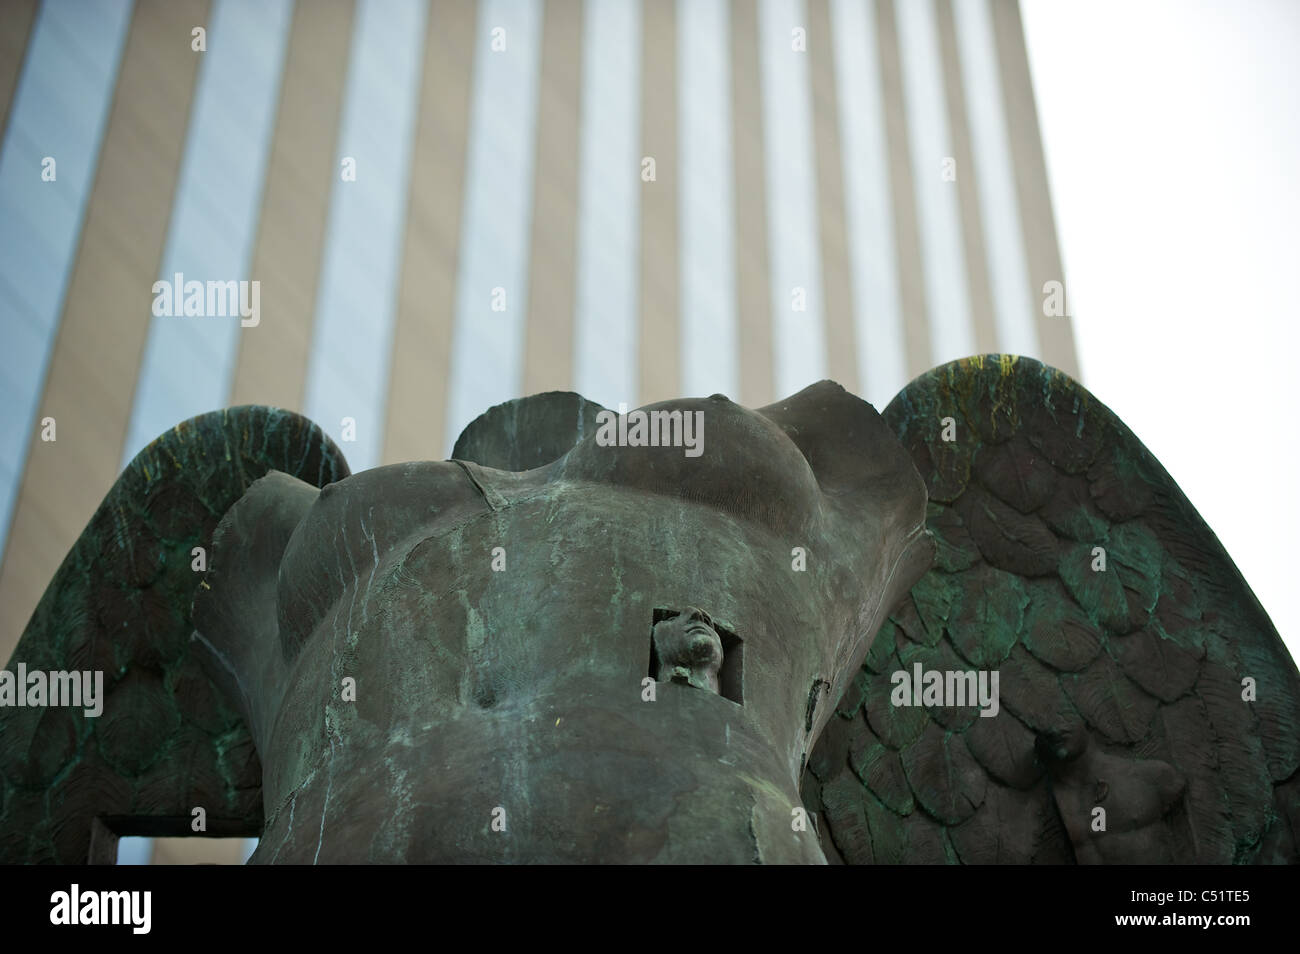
point(560, 648)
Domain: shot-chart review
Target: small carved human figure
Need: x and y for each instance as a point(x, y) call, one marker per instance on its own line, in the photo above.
point(1116, 810)
point(688, 649)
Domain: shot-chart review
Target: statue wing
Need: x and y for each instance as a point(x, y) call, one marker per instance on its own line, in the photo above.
point(1154, 689)
point(165, 742)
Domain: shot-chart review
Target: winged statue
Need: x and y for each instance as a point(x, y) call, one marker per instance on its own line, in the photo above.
point(983, 626)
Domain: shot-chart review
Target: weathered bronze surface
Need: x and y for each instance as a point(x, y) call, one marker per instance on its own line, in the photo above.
point(1149, 710)
point(560, 648)
point(453, 662)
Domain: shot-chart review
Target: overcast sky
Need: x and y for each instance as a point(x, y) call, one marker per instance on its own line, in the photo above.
point(1172, 133)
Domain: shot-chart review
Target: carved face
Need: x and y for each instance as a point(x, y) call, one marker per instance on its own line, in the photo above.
point(688, 649)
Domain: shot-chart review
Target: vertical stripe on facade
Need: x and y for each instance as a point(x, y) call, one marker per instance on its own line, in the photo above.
point(995, 177)
point(189, 359)
point(983, 327)
point(659, 350)
point(710, 347)
point(417, 386)
point(841, 336)
point(271, 366)
point(753, 293)
point(938, 215)
point(492, 280)
point(16, 20)
point(96, 355)
point(347, 375)
point(907, 239)
point(798, 330)
point(1055, 336)
point(134, 850)
point(869, 214)
point(548, 331)
point(608, 304)
point(60, 109)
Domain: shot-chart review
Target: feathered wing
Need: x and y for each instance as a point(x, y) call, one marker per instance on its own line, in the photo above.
point(165, 742)
point(1148, 710)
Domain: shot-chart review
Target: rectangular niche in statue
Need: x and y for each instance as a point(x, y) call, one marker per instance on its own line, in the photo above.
point(689, 647)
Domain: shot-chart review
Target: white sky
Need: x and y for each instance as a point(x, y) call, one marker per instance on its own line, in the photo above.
point(1172, 133)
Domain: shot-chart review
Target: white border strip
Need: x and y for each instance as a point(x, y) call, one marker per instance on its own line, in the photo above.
point(706, 210)
point(798, 337)
point(60, 109)
point(943, 260)
point(356, 305)
point(606, 323)
point(877, 303)
point(1004, 243)
point(486, 366)
point(189, 362)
